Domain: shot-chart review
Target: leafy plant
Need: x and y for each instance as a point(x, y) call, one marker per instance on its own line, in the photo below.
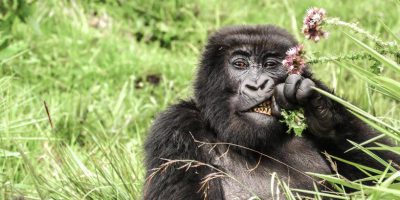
point(295, 121)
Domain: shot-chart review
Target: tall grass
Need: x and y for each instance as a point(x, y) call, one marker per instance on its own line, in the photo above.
point(387, 181)
point(95, 81)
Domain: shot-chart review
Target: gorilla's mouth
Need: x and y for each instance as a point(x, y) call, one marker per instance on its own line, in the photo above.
point(262, 108)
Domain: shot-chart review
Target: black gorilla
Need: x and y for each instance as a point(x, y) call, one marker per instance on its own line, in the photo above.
point(240, 88)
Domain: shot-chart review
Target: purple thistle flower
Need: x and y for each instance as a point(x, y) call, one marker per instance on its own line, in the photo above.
point(313, 22)
point(294, 61)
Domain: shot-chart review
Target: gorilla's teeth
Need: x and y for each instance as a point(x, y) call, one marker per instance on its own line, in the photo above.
point(263, 108)
point(269, 111)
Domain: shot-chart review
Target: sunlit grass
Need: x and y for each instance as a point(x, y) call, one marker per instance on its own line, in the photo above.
point(89, 77)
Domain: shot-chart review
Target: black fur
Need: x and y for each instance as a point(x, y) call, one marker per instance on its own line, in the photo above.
point(215, 115)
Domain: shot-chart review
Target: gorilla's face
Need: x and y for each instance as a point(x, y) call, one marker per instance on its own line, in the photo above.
point(239, 70)
point(254, 72)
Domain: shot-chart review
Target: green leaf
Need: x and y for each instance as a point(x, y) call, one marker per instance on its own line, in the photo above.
point(359, 166)
point(397, 38)
point(295, 121)
point(357, 110)
point(373, 155)
point(385, 85)
point(375, 125)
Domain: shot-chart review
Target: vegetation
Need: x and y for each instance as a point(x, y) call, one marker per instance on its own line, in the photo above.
point(81, 82)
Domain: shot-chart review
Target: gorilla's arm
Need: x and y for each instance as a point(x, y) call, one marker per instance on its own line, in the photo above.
point(170, 138)
point(330, 124)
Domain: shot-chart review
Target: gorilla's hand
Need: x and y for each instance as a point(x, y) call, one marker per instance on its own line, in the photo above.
point(297, 92)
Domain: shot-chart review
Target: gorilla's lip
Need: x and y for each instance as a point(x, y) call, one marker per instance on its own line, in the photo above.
point(275, 110)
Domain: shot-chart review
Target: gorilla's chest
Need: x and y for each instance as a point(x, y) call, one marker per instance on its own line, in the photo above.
point(259, 177)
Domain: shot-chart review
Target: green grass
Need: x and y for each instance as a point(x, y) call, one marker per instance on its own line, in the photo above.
point(89, 78)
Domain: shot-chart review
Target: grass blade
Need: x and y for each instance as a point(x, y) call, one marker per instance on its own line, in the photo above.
point(396, 37)
point(384, 60)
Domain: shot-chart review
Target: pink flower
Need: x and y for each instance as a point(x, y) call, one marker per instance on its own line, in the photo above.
point(294, 61)
point(313, 22)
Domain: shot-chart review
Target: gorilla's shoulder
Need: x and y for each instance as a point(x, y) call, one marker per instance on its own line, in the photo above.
point(177, 125)
point(173, 132)
point(182, 116)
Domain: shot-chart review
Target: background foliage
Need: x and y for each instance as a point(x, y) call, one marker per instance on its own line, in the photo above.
point(105, 69)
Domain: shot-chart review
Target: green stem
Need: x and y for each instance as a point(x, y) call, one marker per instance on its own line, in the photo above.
point(354, 56)
point(354, 27)
point(351, 56)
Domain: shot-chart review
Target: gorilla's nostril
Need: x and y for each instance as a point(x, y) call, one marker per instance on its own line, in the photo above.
point(251, 87)
point(262, 86)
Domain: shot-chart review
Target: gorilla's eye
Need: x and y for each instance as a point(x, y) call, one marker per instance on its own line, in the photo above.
point(240, 64)
point(271, 63)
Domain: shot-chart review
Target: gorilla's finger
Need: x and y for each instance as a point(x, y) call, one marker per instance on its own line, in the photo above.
point(317, 128)
point(280, 97)
point(305, 91)
point(291, 84)
point(275, 109)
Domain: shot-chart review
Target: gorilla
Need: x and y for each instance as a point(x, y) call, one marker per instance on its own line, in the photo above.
point(228, 141)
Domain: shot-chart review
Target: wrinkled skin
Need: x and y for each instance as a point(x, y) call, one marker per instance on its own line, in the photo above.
point(240, 69)
point(297, 92)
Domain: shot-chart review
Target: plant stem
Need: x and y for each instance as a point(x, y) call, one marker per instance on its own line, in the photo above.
point(354, 27)
point(351, 56)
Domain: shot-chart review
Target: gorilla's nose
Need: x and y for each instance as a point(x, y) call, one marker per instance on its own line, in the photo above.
point(260, 87)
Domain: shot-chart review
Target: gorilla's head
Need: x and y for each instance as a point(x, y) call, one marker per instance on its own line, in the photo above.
point(239, 69)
